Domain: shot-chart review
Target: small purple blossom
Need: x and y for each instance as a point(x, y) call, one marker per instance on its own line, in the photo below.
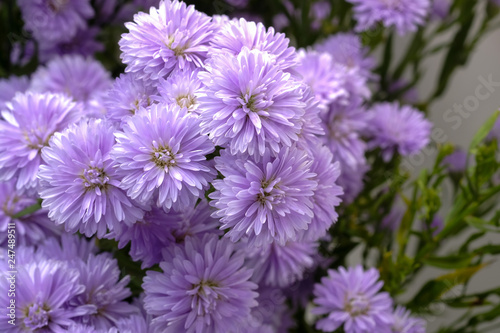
point(318, 71)
point(126, 97)
point(27, 125)
point(181, 88)
point(394, 128)
point(79, 184)
point(249, 110)
point(352, 298)
point(172, 37)
point(161, 155)
point(405, 15)
point(456, 162)
point(265, 200)
point(104, 290)
point(204, 289)
point(404, 322)
point(281, 265)
point(235, 35)
point(30, 229)
point(55, 20)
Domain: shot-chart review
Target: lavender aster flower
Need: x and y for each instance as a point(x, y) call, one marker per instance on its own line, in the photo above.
point(42, 301)
point(266, 200)
point(312, 125)
point(126, 97)
point(103, 289)
point(327, 194)
point(84, 79)
point(133, 324)
point(456, 162)
point(162, 154)
point(347, 49)
point(31, 229)
point(405, 15)
point(68, 247)
point(281, 265)
point(319, 72)
point(158, 229)
point(79, 183)
point(10, 86)
point(404, 322)
point(55, 20)
point(205, 288)
point(398, 128)
point(352, 298)
point(27, 125)
point(173, 36)
point(250, 110)
point(181, 88)
point(441, 9)
point(235, 35)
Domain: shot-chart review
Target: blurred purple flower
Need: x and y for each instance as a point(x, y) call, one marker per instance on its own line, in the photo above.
point(404, 322)
point(126, 97)
point(55, 20)
point(405, 15)
point(10, 86)
point(456, 162)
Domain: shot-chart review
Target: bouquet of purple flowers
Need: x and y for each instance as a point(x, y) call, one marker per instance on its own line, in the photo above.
point(238, 167)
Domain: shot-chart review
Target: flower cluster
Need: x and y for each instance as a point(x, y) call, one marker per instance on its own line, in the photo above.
point(218, 161)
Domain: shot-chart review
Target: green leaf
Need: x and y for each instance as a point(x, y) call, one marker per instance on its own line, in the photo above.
point(29, 210)
point(484, 131)
point(481, 224)
point(449, 262)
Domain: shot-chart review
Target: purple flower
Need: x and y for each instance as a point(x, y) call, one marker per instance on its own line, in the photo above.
point(104, 290)
point(272, 315)
point(235, 35)
point(352, 298)
point(42, 299)
point(347, 49)
point(281, 265)
point(456, 162)
point(437, 224)
point(266, 200)
point(204, 288)
point(126, 97)
point(182, 89)
point(326, 196)
point(318, 70)
point(173, 36)
point(398, 128)
point(405, 15)
point(158, 229)
point(404, 322)
point(441, 9)
point(27, 125)
point(10, 86)
point(30, 229)
point(79, 183)
point(133, 324)
point(55, 20)
point(161, 155)
point(83, 43)
point(84, 79)
point(249, 110)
